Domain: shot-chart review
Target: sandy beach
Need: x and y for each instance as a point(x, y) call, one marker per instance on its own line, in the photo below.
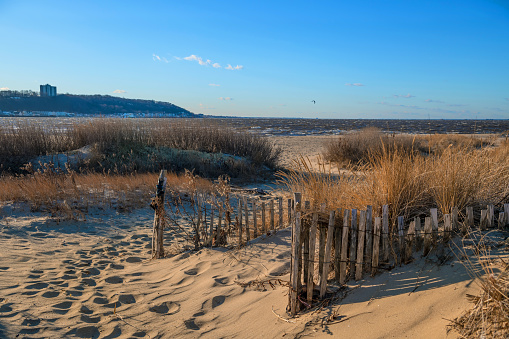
point(95, 279)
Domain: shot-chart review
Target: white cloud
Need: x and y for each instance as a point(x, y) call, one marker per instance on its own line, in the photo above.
point(206, 62)
point(227, 98)
point(193, 57)
point(404, 96)
point(437, 101)
point(214, 85)
point(119, 91)
point(156, 57)
point(231, 68)
point(355, 84)
point(216, 65)
point(4, 88)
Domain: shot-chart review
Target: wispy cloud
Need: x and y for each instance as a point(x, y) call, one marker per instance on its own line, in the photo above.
point(355, 84)
point(156, 57)
point(436, 101)
point(214, 85)
point(119, 91)
point(227, 98)
point(404, 96)
point(207, 62)
point(4, 88)
point(231, 68)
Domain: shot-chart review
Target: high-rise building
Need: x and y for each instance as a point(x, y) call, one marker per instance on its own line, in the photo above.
point(48, 91)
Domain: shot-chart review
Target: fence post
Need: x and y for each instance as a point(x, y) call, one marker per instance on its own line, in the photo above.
point(501, 220)
point(360, 245)
point(337, 247)
point(280, 201)
point(484, 220)
point(376, 245)
point(418, 235)
point(290, 207)
point(410, 240)
point(295, 277)
point(353, 243)
point(306, 230)
point(255, 218)
point(158, 228)
point(311, 263)
point(198, 223)
point(401, 234)
point(506, 213)
point(264, 224)
point(326, 261)
point(491, 217)
point(434, 224)
point(321, 248)
point(344, 247)
point(447, 227)
point(385, 233)
point(428, 230)
point(246, 218)
point(211, 236)
point(271, 206)
point(454, 218)
point(369, 237)
point(240, 221)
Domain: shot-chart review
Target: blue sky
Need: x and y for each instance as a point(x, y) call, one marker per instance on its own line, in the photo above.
point(356, 59)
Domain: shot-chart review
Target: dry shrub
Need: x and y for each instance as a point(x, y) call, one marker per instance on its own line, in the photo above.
point(489, 317)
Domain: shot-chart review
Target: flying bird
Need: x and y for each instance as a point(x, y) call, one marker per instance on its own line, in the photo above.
point(314, 102)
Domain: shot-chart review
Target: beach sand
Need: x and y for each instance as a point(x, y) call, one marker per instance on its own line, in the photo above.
point(95, 279)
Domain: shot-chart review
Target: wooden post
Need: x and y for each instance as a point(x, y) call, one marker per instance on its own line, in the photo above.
point(197, 225)
point(434, 224)
point(360, 245)
point(369, 238)
point(272, 221)
point(255, 218)
point(410, 240)
point(385, 233)
point(376, 245)
point(298, 208)
point(506, 213)
point(454, 218)
point(246, 219)
point(240, 221)
point(311, 263)
point(280, 201)
point(428, 230)
point(158, 228)
point(401, 234)
point(211, 236)
point(484, 220)
point(470, 220)
point(418, 234)
point(447, 227)
point(344, 247)
point(295, 276)
point(321, 248)
point(491, 216)
point(337, 246)
point(219, 225)
point(501, 220)
point(306, 230)
point(264, 224)
point(353, 243)
point(326, 262)
point(290, 203)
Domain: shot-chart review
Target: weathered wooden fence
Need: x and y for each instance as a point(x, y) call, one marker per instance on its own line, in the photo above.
point(355, 243)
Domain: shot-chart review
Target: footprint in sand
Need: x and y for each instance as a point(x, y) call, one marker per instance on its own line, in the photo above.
point(91, 320)
point(90, 271)
point(114, 280)
point(51, 294)
point(88, 282)
point(199, 268)
point(126, 299)
point(85, 310)
point(63, 307)
point(140, 334)
point(100, 300)
point(133, 259)
point(214, 302)
point(221, 281)
point(84, 332)
point(190, 324)
point(116, 266)
point(167, 308)
point(36, 286)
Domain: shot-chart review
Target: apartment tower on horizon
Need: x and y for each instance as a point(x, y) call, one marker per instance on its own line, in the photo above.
point(48, 91)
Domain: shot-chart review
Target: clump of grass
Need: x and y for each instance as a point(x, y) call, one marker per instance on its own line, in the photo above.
point(489, 316)
point(137, 144)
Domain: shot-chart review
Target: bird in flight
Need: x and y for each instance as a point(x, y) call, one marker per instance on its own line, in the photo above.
point(314, 102)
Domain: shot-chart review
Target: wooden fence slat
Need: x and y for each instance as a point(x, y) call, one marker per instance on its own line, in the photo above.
point(219, 225)
point(434, 224)
point(491, 216)
point(327, 257)
point(246, 219)
point(376, 245)
point(311, 263)
point(369, 238)
point(418, 234)
point(353, 243)
point(410, 240)
point(484, 220)
point(290, 206)
point(264, 224)
point(447, 227)
point(385, 233)
point(240, 220)
point(321, 248)
point(211, 224)
point(470, 220)
point(271, 207)
point(255, 218)
point(337, 247)
point(454, 218)
point(401, 236)
point(501, 220)
point(360, 245)
point(295, 277)
point(506, 213)
point(428, 236)
point(298, 208)
point(306, 227)
point(280, 201)
point(344, 247)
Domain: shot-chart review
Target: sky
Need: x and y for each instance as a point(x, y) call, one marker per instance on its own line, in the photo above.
point(302, 59)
